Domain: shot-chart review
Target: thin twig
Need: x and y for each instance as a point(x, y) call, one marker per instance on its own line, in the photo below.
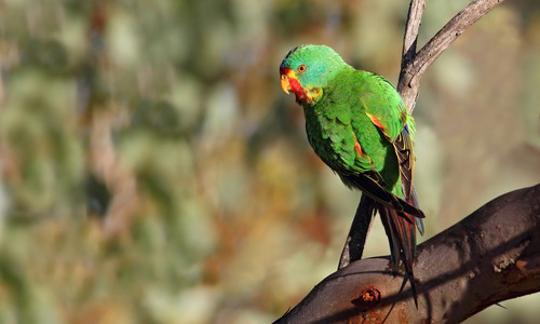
point(410, 38)
point(412, 71)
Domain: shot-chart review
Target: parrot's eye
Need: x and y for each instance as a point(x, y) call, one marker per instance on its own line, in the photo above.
point(301, 68)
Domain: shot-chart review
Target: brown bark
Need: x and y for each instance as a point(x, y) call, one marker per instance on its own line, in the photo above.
point(490, 256)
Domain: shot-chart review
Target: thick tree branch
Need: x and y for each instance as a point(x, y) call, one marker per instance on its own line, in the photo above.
point(490, 256)
point(413, 65)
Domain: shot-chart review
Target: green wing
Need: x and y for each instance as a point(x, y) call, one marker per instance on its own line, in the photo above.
point(385, 108)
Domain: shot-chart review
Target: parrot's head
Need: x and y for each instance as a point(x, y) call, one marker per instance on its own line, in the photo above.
point(307, 69)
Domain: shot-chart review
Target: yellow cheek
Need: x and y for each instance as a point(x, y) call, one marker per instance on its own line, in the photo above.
point(314, 94)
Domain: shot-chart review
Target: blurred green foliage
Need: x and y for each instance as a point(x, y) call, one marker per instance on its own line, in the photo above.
point(152, 172)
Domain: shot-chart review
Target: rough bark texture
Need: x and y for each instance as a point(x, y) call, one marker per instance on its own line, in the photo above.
point(492, 255)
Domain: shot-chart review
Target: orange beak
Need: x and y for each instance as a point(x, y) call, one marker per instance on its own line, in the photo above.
point(285, 84)
point(286, 76)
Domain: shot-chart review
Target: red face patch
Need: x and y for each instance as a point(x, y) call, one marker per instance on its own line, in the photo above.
point(294, 85)
point(298, 91)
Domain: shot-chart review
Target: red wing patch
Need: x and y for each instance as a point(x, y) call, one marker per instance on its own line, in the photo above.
point(357, 146)
point(376, 121)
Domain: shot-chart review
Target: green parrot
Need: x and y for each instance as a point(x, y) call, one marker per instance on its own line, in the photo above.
point(359, 126)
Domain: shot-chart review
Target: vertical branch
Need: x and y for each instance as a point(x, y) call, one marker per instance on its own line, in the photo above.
point(413, 64)
point(410, 39)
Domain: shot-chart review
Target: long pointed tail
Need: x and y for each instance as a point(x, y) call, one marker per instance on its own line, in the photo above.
point(401, 231)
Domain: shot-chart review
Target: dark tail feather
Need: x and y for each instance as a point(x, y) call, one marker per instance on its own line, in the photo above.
point(413, 200)
point(354, 246)
point(370, 184)
point(393, 239)
point(401, 233)
point(403, 146)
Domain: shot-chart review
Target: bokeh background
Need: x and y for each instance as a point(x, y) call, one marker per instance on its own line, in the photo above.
point(151, 170)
